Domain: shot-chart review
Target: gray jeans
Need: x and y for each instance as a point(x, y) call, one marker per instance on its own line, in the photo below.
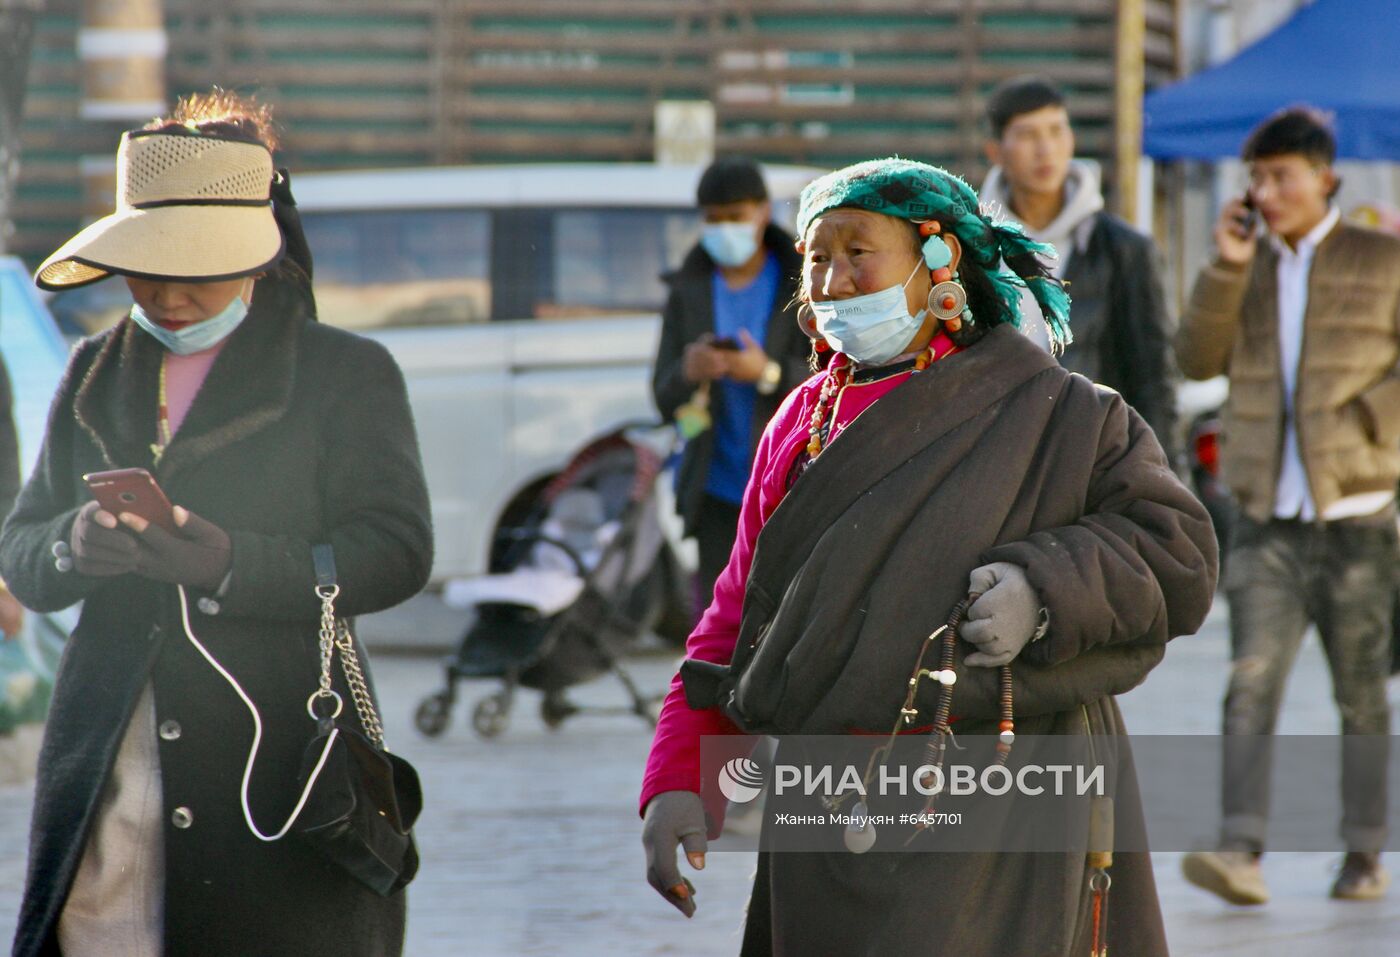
point(1284, 575)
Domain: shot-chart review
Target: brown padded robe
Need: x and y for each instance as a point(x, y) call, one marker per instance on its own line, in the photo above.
point(994, 454)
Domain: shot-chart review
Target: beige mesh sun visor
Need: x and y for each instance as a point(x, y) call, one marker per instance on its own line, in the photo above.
point(191, 208)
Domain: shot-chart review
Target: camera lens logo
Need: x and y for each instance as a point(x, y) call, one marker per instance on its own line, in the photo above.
point(740, 780)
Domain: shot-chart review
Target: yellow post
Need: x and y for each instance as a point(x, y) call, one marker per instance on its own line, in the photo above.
point(122, 46)
point(1128, 87)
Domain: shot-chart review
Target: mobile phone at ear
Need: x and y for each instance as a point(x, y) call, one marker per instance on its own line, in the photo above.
point(1250, 221)
point(134, 491)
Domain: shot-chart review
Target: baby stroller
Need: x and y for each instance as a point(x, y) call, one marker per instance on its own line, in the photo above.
point(577, 579)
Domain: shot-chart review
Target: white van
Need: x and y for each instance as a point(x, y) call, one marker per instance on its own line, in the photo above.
point(522, 304)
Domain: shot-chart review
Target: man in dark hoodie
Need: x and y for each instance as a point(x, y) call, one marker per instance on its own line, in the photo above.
point(1122, 330)
point(730, 351)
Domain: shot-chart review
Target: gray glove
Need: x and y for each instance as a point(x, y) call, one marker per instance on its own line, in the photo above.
point(671, 818)
point(1006, 617)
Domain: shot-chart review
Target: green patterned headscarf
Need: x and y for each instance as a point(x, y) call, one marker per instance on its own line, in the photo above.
point(917, 191)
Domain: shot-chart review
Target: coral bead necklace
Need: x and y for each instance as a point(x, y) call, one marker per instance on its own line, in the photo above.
point(163, 433)
point(840, 376)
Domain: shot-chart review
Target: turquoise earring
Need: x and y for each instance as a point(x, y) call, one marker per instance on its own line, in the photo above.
point(937, 255)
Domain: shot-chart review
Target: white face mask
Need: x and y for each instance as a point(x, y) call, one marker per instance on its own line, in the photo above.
point(729, 244)
point(197, 336)
point(872, 329)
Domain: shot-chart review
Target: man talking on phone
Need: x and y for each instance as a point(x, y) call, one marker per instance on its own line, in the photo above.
point(1304, 322)
point(730, 351)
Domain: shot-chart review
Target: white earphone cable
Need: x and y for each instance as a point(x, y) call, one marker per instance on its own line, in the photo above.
point(257, 736)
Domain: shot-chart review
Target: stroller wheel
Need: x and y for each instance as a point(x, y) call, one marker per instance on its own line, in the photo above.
point(491, 714)
point(433, 714)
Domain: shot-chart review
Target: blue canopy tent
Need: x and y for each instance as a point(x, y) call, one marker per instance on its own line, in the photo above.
point(1342, 56)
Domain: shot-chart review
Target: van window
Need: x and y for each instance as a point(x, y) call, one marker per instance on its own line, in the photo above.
point(611, 260)
point(393, 267)
point(378, 268)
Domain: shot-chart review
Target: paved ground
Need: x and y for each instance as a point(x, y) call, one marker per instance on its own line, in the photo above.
point(530, 841)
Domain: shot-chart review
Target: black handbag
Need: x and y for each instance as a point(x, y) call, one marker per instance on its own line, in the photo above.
point(357, 802)
point(361, 800)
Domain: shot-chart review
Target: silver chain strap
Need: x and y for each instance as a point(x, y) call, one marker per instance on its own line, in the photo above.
point(336, 634)
point(327, 596)
point(359, 689)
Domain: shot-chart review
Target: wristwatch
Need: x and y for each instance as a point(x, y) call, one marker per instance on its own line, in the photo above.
point(771, 378)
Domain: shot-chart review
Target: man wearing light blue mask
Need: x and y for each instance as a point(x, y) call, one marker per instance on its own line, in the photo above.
point(730, 351)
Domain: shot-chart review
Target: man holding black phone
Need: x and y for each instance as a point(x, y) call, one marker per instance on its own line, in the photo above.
point(1306, 323)
point(730, 351)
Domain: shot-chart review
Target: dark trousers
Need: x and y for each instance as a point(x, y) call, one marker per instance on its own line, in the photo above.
point(1282, 576)
point(716, 526)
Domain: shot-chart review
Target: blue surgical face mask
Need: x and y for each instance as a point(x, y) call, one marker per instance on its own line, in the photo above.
point(197, 336)
point(729, 244)
point(871, 329)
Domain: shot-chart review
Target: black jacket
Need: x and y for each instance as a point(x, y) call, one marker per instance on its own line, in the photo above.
point(1122, 330)
point(300, 434)
point(690, 314)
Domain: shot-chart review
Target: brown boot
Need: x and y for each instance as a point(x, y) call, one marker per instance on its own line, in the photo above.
point(1361, 879)
point(1232, 875)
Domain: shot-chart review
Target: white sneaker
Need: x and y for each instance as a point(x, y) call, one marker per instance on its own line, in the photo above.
point(1232, 875)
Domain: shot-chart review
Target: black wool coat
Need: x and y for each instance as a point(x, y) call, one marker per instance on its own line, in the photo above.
point(301, 434)
point(690, 314)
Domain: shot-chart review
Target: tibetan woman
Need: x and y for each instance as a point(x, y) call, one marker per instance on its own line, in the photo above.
point(941, 456)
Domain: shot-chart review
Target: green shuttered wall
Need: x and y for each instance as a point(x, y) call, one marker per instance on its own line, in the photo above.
point(412, 82)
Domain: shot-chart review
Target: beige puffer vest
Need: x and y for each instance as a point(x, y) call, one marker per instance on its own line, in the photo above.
point(1348, 392)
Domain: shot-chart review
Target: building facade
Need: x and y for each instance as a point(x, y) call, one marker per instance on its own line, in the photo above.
point(359, 83)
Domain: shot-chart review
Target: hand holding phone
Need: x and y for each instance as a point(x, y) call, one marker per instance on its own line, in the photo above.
point(1235, 239)
point(197, 553)
point(154, 539)
point(702, 362)
point(134, 491)
point(100, 547)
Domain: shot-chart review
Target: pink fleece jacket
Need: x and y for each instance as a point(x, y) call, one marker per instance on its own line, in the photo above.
point(674, 762)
